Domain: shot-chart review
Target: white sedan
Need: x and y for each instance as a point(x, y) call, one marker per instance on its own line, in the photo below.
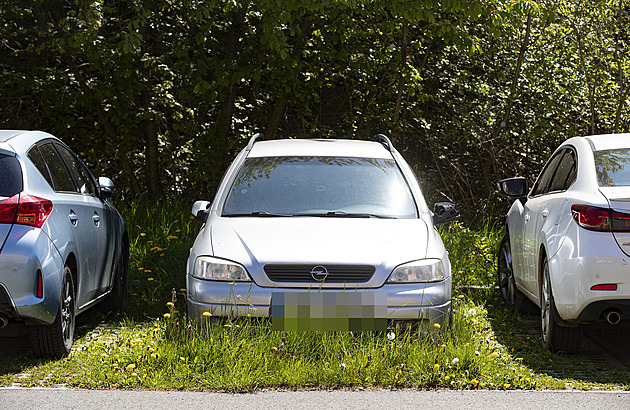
point(567, 242)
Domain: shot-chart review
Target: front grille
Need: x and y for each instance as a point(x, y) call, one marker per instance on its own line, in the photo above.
point(336, 273)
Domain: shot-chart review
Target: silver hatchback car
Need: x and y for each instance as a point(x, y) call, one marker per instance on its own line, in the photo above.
point(63, 245)
point(335, 233)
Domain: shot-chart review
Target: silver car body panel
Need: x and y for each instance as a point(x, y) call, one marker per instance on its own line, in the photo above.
point(27, 249)
point(255, 242)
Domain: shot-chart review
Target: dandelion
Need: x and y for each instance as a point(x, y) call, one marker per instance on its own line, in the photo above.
point(178, 230)
point(167, 315)
point(141, 269)
point(436, 367)
point(149, 279)
point(183, 290)
point(207, 314)
point(494, 355)
point(460, 297)
point(436, 325)
point(182, 358)
point(506, 386)
point(474, 382)
point(443, 345)
point(485, 312)
point(154, 355)
point(169, 304)
point(482, 384)
point(143, 234)
point(249, 315)
point(147, 271)
point(455, 360)
point(391, 335)
point(130, 367)
point(171, 237)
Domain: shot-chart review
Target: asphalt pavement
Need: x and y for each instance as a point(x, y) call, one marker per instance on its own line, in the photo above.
point(24, 398)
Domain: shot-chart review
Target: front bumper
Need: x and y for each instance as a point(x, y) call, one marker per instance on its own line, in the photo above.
point(418, 301)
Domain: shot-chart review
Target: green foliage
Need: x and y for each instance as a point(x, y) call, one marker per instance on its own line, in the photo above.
point(161, 95)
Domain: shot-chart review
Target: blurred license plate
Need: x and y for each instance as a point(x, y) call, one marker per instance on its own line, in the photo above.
point(303, 311)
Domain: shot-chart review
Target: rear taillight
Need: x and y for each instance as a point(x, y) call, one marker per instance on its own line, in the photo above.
point(600, 219)
point(25, 209)
point(33, 211)
point(8, 208)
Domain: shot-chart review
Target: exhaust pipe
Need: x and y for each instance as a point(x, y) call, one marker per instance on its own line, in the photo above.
point(613, 317)
point(4, 320)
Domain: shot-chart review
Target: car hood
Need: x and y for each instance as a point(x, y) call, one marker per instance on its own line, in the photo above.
point(382, 243)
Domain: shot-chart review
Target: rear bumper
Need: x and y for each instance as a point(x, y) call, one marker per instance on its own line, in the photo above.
point(26, 251)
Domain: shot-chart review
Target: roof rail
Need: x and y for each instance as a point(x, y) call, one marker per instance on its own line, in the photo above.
point(257, 137)
point(385, 141)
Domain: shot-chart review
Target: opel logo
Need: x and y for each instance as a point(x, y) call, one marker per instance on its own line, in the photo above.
point(319, 273)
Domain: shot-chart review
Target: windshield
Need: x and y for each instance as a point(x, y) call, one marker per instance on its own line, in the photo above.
point(613, 167)
point(320, 186)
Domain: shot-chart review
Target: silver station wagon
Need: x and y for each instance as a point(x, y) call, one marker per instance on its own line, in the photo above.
point(324, 234)
point(63, 245)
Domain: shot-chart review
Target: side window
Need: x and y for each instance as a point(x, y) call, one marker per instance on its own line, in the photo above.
point(565, 174)
point(542, 183)
point(79, 173)
point(62, 182)
point(36, 158)
point(10, 176)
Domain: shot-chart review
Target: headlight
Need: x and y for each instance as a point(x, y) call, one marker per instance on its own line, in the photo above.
point(425, 270)
point(210, 268)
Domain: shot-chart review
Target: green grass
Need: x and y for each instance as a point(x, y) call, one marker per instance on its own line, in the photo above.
point(155, 347)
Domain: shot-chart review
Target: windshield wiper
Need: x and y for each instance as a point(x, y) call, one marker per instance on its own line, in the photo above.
point(259, 214)
point(341, 214)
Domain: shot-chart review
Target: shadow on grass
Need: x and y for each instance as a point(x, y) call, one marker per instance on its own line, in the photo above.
point(520, 333)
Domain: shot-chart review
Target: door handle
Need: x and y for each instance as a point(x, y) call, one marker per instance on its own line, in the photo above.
point(74, 219)
point(545, 213)
point(96, 219)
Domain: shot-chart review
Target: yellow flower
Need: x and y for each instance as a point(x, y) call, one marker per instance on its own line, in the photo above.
point(182, 290)
point(474, 382)
point(143, 234)
point(171, 237)
point(131, 367)
point(182, 358)
point(249, 315)
point(207, 314)
point(460, 297)
point(154, 355)
point(149, 279)
point(169, 304)
point(436, 367)
point(506, 386)
point(167, 315)
point(140, 269)
point(178, 230)
point(436, 325)
point(443, 345)
point(494, 355)
point(147, 271)
point(482, 384)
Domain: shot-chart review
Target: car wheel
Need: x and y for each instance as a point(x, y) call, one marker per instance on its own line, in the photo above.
point(56, 340)
point(507, 285)
point(555, 337)
point(117, 298)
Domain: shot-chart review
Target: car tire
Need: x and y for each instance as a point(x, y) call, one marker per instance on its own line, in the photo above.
point(116, 301)
point(56, 340)
point(513, 298)
point(555, 337)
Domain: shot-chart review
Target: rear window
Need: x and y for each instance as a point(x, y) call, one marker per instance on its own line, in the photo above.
point(10, 176)
point(613, 167)
point(319, 186)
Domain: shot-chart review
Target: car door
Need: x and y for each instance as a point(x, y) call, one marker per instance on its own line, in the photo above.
point(71, 209)
point(96, 216)
point(535, 213)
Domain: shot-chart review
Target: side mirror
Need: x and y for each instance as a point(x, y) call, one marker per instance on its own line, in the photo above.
point(200, 210)
point(105, 187)
point(444, 212)
point(513, 187)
